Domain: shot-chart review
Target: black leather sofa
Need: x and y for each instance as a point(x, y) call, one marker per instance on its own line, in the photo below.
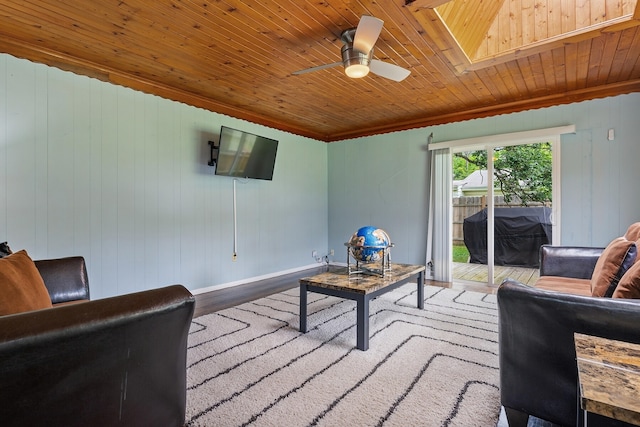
point(538, 370)
point(66, 279)
point(114, 361)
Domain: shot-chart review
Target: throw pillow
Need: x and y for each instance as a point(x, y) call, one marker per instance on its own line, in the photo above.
point(615, 260)
point(5, 250)
point(629, 286)
point(21, 286)
point(633, 232)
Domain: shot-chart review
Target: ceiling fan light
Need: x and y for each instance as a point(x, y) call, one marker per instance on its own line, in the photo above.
point(356, 64)
point(356, 71)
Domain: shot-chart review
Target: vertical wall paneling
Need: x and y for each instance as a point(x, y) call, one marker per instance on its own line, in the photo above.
point(598, 200)
point(81, 155)
point(125, 187)
point(380, 181)
point(121, 178)
point(576, 187)
point(39, 121)
point(137, 274)
point(94, 256)
point(624, 121)
point(60, 156)
point(606, 171)
point(21, 154)
point(4, 135)
point(109, 189)
point(151, 188)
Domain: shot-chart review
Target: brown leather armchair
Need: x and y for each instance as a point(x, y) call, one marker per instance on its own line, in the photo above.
point(113, 361)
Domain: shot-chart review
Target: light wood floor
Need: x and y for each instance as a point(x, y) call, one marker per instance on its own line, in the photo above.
point(472, 277)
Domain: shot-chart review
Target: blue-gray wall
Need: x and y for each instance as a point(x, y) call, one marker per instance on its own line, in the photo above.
point(120, 177)
point(380, 180)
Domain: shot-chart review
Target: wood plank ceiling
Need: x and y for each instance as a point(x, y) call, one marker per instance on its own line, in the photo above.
point(468, 58)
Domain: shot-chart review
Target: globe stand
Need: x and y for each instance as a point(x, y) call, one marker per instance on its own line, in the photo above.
point(360, 268)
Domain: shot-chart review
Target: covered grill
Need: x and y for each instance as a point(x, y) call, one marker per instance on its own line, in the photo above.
point(519, 233)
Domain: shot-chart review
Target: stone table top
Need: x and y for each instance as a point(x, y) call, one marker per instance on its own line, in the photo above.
point(609, 375)
point(362, 283)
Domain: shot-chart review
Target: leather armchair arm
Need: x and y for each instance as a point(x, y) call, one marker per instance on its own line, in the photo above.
point(568, 261)
point(65, 278)
point(538, 370)
point(113, 361)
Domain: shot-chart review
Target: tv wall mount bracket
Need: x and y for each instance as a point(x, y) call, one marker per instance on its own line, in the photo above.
point(214, 156)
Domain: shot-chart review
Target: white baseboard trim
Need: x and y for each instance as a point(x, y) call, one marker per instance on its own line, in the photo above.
point(252, 279)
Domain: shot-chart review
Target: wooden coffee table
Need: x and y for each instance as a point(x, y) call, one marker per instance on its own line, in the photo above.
point(361, 288)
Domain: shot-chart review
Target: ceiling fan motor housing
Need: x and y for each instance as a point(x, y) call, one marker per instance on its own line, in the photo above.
point(356, 63)
point(351, 56)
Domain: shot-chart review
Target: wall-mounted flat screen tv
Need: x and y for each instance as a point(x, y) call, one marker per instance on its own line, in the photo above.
point(245, 155)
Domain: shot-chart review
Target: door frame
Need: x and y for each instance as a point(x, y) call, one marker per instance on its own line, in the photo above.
point(552, 135)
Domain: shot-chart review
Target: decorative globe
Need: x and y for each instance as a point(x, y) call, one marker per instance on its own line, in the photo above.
point(368, 244)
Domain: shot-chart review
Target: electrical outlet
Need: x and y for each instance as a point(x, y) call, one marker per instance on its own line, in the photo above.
point(331, 252)
point(234, 256)
point(314, 254)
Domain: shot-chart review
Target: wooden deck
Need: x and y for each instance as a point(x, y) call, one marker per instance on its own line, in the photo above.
point(473, 277)
point(467, 272)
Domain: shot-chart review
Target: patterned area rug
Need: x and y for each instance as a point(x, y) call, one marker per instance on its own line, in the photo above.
point(249, 365)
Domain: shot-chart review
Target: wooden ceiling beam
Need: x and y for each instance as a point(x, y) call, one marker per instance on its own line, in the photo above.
point(425, 4)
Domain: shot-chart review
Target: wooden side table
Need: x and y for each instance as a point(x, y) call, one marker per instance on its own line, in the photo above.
point(609, 378)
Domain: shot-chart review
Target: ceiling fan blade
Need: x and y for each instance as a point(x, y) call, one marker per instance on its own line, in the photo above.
point(367, 33)
point(318, 68)
point(389, 71)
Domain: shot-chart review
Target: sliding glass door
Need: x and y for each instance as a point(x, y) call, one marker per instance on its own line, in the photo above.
point(502, 210)
point(500, 162)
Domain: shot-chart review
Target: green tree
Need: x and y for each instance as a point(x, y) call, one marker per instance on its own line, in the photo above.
point(520, 171)
point(462, 168)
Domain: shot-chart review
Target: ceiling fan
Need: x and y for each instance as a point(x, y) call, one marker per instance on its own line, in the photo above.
point(357, 53)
